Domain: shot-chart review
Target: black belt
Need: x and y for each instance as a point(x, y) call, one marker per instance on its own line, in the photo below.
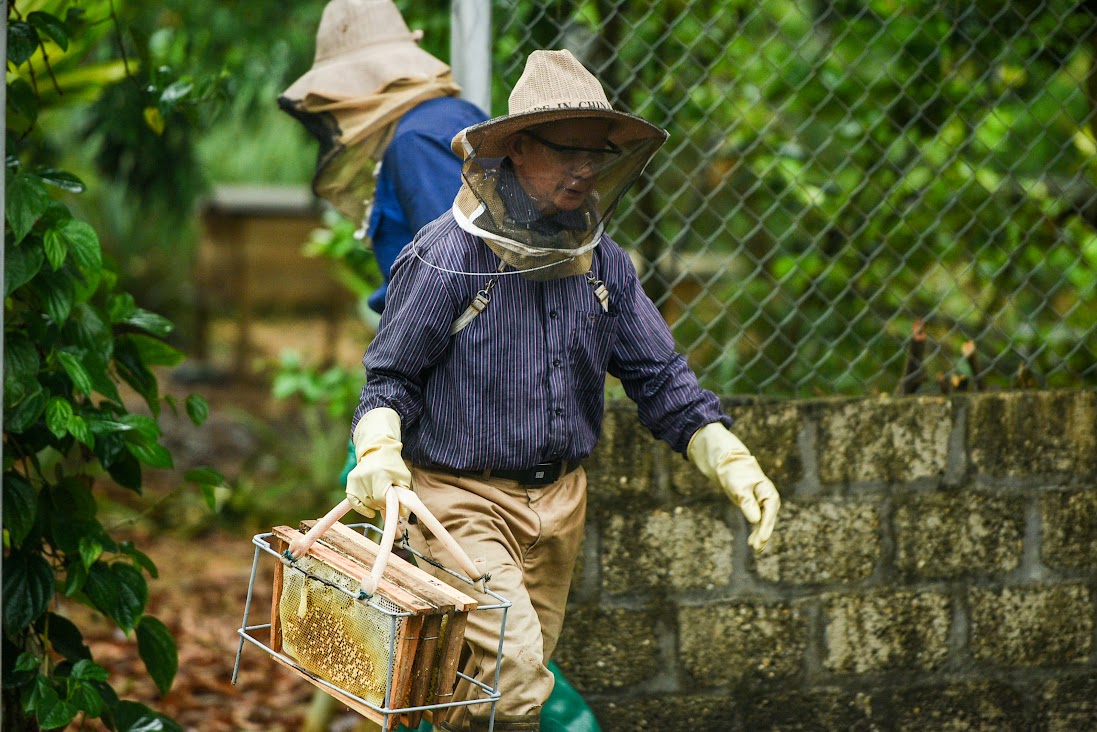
point(541, 474)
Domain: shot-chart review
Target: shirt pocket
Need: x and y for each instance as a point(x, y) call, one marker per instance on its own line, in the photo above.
point(591, 346)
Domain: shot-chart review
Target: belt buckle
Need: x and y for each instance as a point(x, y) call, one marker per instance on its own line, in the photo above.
point(546, 473)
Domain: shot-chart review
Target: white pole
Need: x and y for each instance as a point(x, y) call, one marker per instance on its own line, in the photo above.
point(3, 183)
point(470, 50)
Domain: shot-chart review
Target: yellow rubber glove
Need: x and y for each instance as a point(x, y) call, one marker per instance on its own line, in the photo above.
point(377, 446)
point(721, 456)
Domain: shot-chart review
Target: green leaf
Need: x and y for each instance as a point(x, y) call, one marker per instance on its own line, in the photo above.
point(83, 241)
point(132, 716)
point(50, 26)
point(76, 576)
point(134, 372)
point(66, 638)
point(155, 456)
point(126, 471)
point(80, 378)
point(197, 409)
point(155, 352)
point(140, 558)
point(62, 179)
point(96, 368)
point(56, 249)
point(141, 425)
point(204, 474)
point(58, 416)
point(42, 695)
point(27, 199)
point(28, 587)
point(157, 649)
point(21, 264)
point(209, 494)
point(148, 321)
point(56, 295)
point(27, 661)
point(22, 42)
point(22, 101)
point(56, 715)
point(90, 550)
point(20, 416)
point(88, 670)
point(121, 306)
point(119, 591)
point(20, 357)
point(20, 502)
point(87, 698)
point(78, 428)
point(178, 90)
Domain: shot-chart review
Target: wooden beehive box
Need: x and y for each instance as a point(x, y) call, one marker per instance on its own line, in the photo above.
point(337, 637)
point(250, 263)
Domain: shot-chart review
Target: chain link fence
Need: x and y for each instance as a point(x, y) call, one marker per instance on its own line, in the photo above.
point(853, 191)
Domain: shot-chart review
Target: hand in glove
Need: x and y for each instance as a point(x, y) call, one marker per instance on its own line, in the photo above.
point(377, 446)
point(720, 455)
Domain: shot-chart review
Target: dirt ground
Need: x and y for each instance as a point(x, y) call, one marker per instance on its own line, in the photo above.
point(201, 590)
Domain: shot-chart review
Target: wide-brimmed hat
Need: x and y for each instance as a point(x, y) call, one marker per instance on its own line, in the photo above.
point(554, 86)
point(362, 46)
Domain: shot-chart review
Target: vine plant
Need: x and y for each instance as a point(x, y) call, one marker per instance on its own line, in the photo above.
point(72, 337)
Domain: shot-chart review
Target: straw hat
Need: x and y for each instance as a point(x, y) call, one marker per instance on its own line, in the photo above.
point(554, 86)
point(363, 46)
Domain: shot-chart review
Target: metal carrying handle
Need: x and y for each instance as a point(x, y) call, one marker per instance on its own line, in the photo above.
point(394, 498)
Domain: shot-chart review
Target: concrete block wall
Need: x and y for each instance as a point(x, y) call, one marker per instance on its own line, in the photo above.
point(934, 567)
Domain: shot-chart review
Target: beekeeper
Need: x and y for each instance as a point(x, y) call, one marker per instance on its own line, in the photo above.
point(484, 386)
point(384, 111)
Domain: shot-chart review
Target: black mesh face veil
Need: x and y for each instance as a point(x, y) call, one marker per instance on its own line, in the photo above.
point(520, 214)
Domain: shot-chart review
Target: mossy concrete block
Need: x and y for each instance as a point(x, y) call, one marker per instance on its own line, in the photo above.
point(769, 430)
point(814, 709)
point(604, 649)
point(827, 541)
point(883, 631)
point(1069, 529)
point(1037, 626)
point(670, 713)
point(730, 643)
point(1037, 433)
point(941, 535)
point(676, 550)
point(973, 707)
point(621, 465)
point(885, 439)
point(1070, 704)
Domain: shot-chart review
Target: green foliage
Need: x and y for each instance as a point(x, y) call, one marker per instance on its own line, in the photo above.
point(351, 259)
point(848, 168)
point(72, 337)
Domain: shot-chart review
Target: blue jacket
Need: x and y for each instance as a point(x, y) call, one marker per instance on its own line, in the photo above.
point(420, 176)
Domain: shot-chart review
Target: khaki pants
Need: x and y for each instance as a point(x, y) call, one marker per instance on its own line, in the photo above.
point(527, 538)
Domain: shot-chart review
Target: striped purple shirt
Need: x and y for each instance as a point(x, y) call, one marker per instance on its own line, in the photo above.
point(524, 383)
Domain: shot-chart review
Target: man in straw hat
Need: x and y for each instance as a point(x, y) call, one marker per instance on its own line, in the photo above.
point(384, 111)
point(485, 382)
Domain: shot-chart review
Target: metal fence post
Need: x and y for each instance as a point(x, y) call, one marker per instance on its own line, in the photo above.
point(470, 50)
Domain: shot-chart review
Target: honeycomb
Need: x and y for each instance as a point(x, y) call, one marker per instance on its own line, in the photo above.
point(340, 639)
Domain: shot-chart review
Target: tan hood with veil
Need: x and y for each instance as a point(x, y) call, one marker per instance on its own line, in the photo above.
point(554, 87)
point(367, 73)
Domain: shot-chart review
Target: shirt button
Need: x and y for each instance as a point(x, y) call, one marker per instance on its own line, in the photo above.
point(556, 362)
point(552, 314)
point(559, 412)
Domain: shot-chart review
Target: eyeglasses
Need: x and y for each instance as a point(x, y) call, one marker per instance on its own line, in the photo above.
point(579, 156)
